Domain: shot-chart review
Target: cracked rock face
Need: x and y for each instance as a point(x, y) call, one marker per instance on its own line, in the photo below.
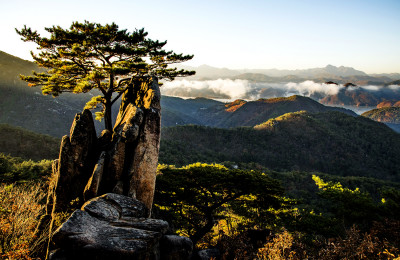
point(132, 154)
point(111, 226)
point(122, 161)
point(76, 160)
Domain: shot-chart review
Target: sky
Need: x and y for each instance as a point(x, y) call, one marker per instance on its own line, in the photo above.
point(235, 34)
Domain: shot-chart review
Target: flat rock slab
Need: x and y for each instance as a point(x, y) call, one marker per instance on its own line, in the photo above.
point(113, 206)
point(110, 227)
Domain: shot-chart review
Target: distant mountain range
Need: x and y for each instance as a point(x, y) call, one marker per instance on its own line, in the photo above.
point(341, 74)
point(362, 97)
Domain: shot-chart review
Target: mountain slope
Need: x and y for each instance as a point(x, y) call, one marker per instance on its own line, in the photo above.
point(359, 96)
point(329, 142)
point(385, 115)
point(26, 107)
point(178, 111)
point(19, 142)
point(327, 71)
point(255, 112)
point(11, 67)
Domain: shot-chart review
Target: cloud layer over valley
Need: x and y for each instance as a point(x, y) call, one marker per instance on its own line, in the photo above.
point(242, 89)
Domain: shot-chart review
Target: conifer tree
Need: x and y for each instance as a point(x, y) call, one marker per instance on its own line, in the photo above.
point(93, 56)
point(196, 196)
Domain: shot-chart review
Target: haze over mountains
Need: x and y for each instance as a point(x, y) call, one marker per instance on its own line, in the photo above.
point(28, 108)
point(205, 72)
point(340, 86)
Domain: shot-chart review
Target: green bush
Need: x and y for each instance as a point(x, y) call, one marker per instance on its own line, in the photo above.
point(14, 169)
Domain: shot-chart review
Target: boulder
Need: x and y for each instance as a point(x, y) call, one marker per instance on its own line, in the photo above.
point(207, 254)
point(112, 226)
point(175, 247)
point(126, 132)
point(142, 173)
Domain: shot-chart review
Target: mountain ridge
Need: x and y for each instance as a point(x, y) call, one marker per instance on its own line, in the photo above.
point(251, 113)
point(204, 72)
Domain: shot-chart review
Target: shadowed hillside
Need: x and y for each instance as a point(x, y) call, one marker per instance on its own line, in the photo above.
point(178, 111)
point(26, 107)
point(19, 142)
point(330, 142)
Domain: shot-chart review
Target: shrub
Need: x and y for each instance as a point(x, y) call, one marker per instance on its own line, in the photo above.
point(279, 248)
point(357, 245)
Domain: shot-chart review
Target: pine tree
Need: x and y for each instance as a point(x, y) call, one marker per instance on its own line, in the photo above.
point(93, 56)
point(196, 196)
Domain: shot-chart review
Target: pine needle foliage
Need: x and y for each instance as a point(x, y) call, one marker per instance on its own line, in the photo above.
point(94, 56)
point(195, 197)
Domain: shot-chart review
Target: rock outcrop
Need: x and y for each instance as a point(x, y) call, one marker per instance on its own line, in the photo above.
point(122, 161)
point(114, 226)
point(75, 163)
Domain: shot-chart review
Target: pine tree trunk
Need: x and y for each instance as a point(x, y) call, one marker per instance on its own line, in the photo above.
point(108, 116)
point(201, 232)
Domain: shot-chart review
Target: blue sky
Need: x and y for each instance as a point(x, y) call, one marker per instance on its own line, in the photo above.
point(235, 34)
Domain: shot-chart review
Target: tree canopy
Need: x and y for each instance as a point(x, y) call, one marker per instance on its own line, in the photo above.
point(197, 196)
point(93, 56)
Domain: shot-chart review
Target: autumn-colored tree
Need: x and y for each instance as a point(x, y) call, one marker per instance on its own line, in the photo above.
point(93, 56)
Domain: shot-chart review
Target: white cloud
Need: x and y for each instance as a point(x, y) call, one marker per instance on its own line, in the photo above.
point(235, 89)
point(232, 89)
point(371, 88)
point(394, 87)
point(308, 88)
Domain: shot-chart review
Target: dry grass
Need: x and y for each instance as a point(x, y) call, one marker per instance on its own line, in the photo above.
point(20, 210)
point(354, 246)
point(279, 248)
